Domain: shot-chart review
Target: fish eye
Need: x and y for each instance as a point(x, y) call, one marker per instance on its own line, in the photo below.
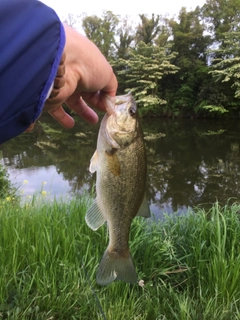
point(132, 112)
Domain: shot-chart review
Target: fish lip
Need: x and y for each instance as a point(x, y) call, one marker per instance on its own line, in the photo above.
point(124, 98)
point(111, 103)
point(118, 131)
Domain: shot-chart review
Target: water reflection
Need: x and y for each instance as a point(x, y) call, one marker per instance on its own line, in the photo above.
point(197, 162)
point(190, 162)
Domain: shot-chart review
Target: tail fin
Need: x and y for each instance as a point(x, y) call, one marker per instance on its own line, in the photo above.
point(115, 266)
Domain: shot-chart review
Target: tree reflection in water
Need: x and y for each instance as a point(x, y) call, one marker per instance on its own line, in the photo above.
point(190, 162)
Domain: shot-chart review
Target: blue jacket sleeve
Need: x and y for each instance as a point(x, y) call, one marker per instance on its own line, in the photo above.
point(31, 45)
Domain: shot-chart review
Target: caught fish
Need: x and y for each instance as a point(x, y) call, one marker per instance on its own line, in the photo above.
point(120, 164)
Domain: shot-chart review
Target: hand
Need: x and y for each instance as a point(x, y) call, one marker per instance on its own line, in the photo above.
point(88, 78)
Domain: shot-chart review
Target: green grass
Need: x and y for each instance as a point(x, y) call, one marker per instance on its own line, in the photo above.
point(48, 260)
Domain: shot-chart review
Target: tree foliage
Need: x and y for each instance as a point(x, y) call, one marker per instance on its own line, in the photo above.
point(148, 29)
point(188, 66)
point(144, 69)
point(102, 31)
point(220, 16)
point(227, 68)
point(125, 36)
point(189, 42)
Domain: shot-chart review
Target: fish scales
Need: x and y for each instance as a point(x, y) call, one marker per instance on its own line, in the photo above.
point(120, 163)
point(118, 196)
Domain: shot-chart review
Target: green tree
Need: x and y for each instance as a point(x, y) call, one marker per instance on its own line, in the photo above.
point(225, 70)
point(222, 18)
point(164, 32)
point(190, 43)
point(7, 190)
point(102, 31)
point(123, 42)
point(143, 71)
point(219, 16)
point(148, 29)
point(91, 26)
point(125, 37)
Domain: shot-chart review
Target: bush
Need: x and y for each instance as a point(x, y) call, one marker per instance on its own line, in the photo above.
point(6, 188)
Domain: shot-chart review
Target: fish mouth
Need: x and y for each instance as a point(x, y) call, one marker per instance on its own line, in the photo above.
point(124, 98)
point(112, 102)
point(109, 104)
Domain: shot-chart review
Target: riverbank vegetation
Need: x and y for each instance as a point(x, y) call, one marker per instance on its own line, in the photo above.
point(181, 66)
point(189, 264)
point(7, 190)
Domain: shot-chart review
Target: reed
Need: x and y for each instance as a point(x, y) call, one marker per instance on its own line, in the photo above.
point(48, 260)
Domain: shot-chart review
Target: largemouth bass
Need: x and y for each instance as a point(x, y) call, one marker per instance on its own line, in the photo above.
point(120, 163)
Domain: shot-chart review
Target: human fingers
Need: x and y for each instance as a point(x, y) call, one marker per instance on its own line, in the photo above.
point(62, 117)
point(97, 99)
point(30, 128)
point(111, 87)
point(59, 80)
point(82, 109)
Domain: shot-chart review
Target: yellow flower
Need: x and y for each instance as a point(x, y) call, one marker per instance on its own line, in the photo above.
point(25, 182)
point(44, 192)
point(44, 182)
point(8, 198)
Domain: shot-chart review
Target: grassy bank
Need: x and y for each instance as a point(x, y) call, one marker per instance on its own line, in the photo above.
point(48, 260)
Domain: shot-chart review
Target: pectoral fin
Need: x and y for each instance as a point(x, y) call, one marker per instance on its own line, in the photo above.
point(94, 162)
point(144, 210)
point(113, 162)
point(94, 217)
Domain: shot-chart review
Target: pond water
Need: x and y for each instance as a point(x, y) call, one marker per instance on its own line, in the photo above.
point(190, 162)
